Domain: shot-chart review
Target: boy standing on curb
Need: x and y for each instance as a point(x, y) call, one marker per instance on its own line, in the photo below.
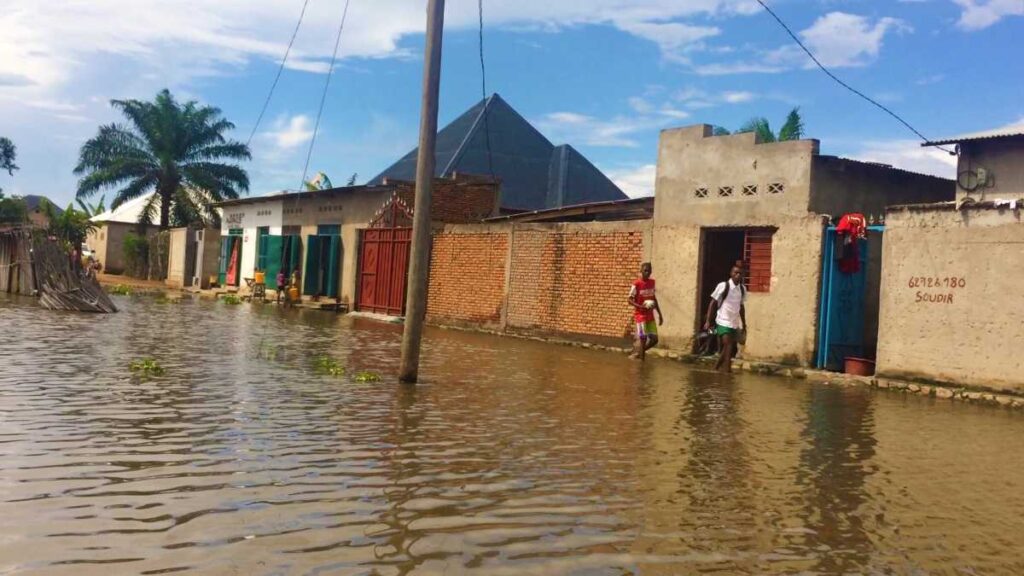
point(644, 303)
point(727, 308)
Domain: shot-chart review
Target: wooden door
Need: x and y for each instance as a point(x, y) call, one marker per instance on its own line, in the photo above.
point(383, 270)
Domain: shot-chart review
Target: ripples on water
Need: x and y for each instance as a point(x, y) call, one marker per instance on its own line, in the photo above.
point(511, 458)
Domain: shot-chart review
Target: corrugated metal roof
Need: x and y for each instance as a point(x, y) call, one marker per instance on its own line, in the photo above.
point(128, 212)
point(534, 174)
point(1011, 131)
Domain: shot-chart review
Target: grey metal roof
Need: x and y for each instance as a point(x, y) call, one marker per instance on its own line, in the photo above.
point(33, 202)
point(1014, 130)
point(491, 137)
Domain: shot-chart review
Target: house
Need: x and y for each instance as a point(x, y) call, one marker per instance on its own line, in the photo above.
point(113, 226)
point(36, 213)
point(723, 199)
point(950, 305)
point(492, 139)
point(349, 244)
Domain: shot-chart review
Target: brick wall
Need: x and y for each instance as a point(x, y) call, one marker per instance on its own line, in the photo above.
point(574, 279)
point(467, 277)
point(459, 200)
point(569, 279)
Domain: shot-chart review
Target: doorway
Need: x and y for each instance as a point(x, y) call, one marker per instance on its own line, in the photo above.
point(720, 251)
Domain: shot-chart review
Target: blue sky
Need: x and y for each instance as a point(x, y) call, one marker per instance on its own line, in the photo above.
point(602, 75)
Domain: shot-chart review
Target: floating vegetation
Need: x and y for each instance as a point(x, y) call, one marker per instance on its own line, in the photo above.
point(147, 367)
point(231, 300)
point(121, 290)
point(329, 366)
point(163, 299)
point(366, 376)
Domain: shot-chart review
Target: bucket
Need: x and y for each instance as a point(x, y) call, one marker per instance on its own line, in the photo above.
point(293, 294)
point(260, 277)
point(859, 366)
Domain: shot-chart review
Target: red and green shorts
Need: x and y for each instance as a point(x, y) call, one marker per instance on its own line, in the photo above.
point(645, 328)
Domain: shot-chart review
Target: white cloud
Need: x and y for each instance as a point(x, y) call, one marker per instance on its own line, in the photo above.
point(737, 97)
point(839, 39)
point(674, 38)
point(908, 155)
point(636, 181)
point(979, 14)
point(580, 129)
point(292, 132)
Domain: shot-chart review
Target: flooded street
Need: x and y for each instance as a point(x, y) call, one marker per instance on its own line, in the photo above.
point(512, 457)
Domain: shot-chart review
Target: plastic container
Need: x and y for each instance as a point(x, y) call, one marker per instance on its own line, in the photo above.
point(293, 294)
point(260, 278)
point(859, 366)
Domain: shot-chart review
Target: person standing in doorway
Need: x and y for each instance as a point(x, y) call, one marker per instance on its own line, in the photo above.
point(727, 308)
point(644, 302)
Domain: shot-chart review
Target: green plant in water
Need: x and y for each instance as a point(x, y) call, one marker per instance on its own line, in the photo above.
point(232, 300)
point(147, 367)
point(366, 376)
point(121, 290)
point(163, 299)
point(329, 366)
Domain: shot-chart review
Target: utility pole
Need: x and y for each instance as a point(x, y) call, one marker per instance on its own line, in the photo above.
point(416, 293)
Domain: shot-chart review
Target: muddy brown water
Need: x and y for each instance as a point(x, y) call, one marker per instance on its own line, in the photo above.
point(512, 457)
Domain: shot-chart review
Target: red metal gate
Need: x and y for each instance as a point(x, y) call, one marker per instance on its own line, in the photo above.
point(383, 270)
point(384, 259)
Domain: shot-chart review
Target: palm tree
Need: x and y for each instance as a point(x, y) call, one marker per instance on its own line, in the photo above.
point(70, 226)
point(176, 150)
point(792, 129)
point(93, 209)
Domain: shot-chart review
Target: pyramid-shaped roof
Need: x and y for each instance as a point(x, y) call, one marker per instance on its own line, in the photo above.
point(534, 174)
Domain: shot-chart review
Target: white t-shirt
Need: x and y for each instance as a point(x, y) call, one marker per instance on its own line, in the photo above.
point(729, 311)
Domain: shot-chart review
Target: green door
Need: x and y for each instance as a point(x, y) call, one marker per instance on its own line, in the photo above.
point(311, 281)
point(273, 257)
point(333, 261)
point(225, 253)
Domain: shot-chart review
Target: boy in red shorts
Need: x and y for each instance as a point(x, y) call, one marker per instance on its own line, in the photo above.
point(645, 304)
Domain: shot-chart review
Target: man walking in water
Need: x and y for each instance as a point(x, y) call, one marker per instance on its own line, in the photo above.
point(645, 304)
point(727, 308)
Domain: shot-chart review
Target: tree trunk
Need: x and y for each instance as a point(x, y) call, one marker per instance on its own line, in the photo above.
point(165, 209)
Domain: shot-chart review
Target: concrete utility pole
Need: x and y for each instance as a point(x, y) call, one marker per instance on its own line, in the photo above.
point(416, 297)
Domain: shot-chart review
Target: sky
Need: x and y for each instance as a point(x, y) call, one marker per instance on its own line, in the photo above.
point(603, 75)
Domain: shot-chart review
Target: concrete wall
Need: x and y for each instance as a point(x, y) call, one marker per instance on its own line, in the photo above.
point(108, 242)
point(250, 217)
point(177, 255)
point(950, 302)
point(1003, 159)
point(839, 186)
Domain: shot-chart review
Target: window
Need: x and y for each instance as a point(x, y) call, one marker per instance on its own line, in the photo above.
point(776, 188)
point(757, 256)
point(725, 191)
point(750, 190)
point(328, 230)
point(700, 193)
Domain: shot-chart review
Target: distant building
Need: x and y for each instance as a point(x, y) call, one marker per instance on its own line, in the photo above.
point(36, 214)
point(491, 138)
point(107, 241)
point(951, 309)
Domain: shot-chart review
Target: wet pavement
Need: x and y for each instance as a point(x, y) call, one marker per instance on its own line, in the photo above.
point(512, 457)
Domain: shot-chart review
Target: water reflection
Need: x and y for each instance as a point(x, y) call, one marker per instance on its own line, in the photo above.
point(512, 457)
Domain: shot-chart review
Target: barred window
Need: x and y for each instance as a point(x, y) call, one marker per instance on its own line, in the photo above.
point(750, 190)
point(700, 193)
point(776, 188)
point(725, 191)
point(757, 256)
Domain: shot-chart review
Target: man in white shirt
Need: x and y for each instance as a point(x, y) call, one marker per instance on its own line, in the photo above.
point(727, 308)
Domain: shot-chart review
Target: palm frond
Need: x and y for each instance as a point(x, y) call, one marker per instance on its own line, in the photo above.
point(793, 129)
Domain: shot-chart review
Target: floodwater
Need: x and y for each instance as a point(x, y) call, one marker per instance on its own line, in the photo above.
point(512, 457)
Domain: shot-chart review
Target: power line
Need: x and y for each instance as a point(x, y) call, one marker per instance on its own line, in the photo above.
point(323, 97)
point(483, 89)
point(840, 82)
point(280, 70)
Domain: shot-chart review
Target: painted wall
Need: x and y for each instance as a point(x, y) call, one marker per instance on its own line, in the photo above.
point(770, 188)
point(249, 217)
point(950, 301)
point(1001, 158)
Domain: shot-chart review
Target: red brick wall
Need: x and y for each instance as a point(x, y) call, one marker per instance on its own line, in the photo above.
point(565, 278)
point(464, 200)
point(573, 281)
point(467, 278)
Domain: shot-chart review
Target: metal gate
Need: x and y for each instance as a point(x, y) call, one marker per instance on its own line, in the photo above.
point(842, 305)
point(383, 270)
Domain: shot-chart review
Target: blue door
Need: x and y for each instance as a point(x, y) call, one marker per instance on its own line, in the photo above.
point(842, 311)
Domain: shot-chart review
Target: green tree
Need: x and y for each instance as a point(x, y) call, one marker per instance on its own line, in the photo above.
point(177, 150)
point(12, 210)
point(70, 226)
point(8, 153)
point(352, 179)
point(93, 209)
point(792, 129)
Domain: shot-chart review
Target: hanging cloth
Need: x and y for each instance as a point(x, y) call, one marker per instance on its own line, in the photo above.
point(851, 229)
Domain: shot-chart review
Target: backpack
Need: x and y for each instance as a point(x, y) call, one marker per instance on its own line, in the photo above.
point(728, 287)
